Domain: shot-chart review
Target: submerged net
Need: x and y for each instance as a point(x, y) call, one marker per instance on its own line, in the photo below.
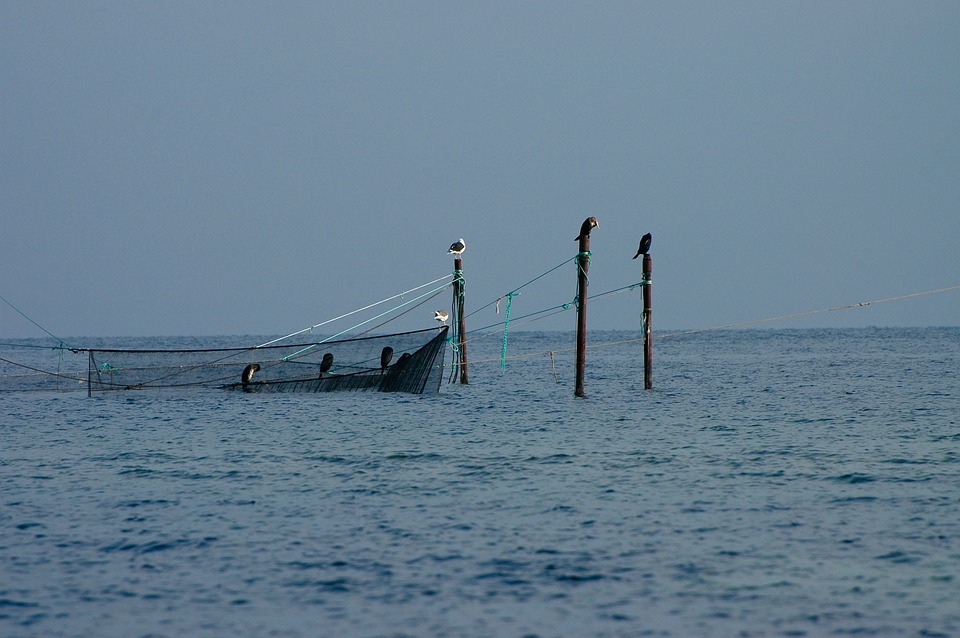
point(405, 362)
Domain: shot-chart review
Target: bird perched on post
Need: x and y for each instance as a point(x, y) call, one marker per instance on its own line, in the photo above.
point(441, 316)
point(588, 224)
point(457, 247)
point(644, 245)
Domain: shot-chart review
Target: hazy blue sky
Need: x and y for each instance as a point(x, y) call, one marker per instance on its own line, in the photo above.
point(171, 168)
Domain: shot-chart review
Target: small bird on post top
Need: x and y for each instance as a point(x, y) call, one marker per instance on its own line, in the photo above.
point(588, 224)
point(644, 245)
point(457, 247)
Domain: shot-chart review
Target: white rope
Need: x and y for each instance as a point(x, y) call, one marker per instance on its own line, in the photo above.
point(352, 312)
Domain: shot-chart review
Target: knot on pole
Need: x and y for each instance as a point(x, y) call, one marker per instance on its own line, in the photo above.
point(583, 259)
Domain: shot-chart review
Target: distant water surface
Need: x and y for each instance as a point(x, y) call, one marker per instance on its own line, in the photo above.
point(773, 483)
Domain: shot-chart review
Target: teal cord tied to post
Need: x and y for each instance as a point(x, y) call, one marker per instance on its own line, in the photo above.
point(460, 285)
point(586, 254)
point(506, 327)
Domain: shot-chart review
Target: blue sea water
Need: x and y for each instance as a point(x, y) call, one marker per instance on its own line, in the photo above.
point(772, 483)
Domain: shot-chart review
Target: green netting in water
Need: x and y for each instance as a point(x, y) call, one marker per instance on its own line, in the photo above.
point(405, 362)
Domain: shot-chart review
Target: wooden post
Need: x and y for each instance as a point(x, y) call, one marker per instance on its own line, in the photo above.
point(89, 373)
point(583, 264)
point(461, 320)
point(647, 331)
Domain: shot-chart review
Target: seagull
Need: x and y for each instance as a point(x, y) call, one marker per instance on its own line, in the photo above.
point(644, 245)
point(588, 224)
point(457, 247)
point(441, 316)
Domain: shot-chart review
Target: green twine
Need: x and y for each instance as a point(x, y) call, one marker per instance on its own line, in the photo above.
point(506, 326)
point(585, 254)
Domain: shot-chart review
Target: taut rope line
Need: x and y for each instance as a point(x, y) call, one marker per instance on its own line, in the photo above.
point(352, 312)
point(739, 324)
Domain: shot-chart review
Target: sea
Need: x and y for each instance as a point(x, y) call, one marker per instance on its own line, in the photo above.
point(800, 482)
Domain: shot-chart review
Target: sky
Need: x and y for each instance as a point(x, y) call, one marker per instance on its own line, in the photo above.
point(231, 168)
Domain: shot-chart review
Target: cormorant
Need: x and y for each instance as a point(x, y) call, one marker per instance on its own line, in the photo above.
point(325, 364)
point(589, 224)
point(247, 375)
point(385, 355)
point(644, 245)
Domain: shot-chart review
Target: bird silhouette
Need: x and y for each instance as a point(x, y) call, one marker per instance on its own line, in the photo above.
point(385, 356)
point(588, 224)
point(247, 376)
point(644, 245)
point(325, 364)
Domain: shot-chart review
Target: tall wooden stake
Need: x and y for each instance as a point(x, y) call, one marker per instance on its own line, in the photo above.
point(647, 331)
point(583, 263)
point(461, 320)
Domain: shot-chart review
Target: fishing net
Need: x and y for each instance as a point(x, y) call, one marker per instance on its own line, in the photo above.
point(405, 362)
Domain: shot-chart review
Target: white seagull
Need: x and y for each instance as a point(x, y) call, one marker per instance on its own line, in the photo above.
point(441, 316)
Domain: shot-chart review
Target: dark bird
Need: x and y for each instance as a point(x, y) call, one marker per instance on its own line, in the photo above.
point(457, 247)
point(247, 375)
point(402, 361)
point(644, 245)
point(588, 224)
point(326, 363)
point(385, 355)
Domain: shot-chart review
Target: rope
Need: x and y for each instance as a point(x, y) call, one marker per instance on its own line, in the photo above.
point(740, 324)
point(431, 294)
point(506, 324)
point(518, 288)
point(20, 312)
point(454, 338)
point(586, 255)
point(859, 304)
point(408, 310)
point(353, 312)
point(560, 308)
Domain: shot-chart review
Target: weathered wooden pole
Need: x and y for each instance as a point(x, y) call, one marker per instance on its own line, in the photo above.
point(647, 330)
point(583, 264)
point(458, 294)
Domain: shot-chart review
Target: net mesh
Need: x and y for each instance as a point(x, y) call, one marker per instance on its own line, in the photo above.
point(404, 362)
